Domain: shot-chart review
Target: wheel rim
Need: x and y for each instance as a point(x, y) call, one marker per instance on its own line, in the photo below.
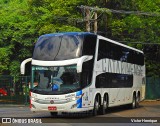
point(105, 104)
point(134, 102)
point(96, 105)
point(137, 101)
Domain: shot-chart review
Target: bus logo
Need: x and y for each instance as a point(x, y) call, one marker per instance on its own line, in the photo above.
point(51, 101)
point(6, 120)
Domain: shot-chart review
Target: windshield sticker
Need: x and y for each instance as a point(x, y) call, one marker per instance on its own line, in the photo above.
point(39, 68)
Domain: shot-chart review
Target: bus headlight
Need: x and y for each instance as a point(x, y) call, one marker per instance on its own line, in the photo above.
point(80, 96)
point(77, 97)
point(73, 98)
point(34, 99)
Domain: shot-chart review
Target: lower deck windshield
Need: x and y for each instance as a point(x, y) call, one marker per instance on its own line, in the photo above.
point(55, 80)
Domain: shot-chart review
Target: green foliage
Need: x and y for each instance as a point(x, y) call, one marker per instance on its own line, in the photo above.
point(47, 13)
point(5, 52)
point(139, 28)
point(14, 67)
point(17, 35)
point(23, 21)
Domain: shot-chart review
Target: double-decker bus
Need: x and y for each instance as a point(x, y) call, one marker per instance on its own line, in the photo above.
point(81, 71)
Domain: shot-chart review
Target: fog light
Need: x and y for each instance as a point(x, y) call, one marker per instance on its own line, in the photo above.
point(73, 106)
point(33, 106)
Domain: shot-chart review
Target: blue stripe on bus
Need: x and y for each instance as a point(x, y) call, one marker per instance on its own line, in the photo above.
point(79, 101)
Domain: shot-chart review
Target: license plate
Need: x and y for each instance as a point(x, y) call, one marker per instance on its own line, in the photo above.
point(52, 108)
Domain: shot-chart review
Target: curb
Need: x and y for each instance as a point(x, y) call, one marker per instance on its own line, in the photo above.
point(10, 105)
point(151, 100)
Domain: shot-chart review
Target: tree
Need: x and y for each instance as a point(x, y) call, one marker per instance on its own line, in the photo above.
point(138, 28)
point(54, 16)
point(17, 33)
point(23, 21)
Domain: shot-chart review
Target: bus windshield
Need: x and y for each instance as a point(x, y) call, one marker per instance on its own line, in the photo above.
point(55, 80)
point(55, 48)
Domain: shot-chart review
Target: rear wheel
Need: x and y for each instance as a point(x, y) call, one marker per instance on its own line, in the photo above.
point(137, 101)
point(104, 106)
point(133, 104)
point(96, 107)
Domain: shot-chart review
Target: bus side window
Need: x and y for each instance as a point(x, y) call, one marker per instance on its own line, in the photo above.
point(101, 81)
point(102, 49)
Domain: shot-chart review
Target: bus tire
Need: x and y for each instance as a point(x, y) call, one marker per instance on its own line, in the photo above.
point(133, 104)
point(104, 106)
point(96, 107)
point(54, 114)
point(137, 100)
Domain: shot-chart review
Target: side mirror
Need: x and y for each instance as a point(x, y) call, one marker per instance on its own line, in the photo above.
point(80, 62)
point(22, 68)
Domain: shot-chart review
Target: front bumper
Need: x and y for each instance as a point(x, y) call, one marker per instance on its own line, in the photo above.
point(65, 107)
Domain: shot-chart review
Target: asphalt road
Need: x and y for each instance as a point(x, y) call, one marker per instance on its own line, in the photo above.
point(120, 116)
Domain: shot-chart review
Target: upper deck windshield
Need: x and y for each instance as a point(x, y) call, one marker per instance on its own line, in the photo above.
point(55, 80)
point(58, 47)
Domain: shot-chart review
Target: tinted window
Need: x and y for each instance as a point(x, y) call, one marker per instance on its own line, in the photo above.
point(113, 80)
point(89, 45)
point(117, 52)
point(58, 47)
point(87, 71)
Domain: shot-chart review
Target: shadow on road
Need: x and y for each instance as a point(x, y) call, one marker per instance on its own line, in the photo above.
point(89, 113)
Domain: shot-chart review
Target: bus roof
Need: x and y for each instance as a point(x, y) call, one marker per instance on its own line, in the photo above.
point(89, 33)
point(67, 33)
point(117, 43)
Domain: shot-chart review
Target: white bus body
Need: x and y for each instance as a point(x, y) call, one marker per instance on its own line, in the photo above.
point(83, 72)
